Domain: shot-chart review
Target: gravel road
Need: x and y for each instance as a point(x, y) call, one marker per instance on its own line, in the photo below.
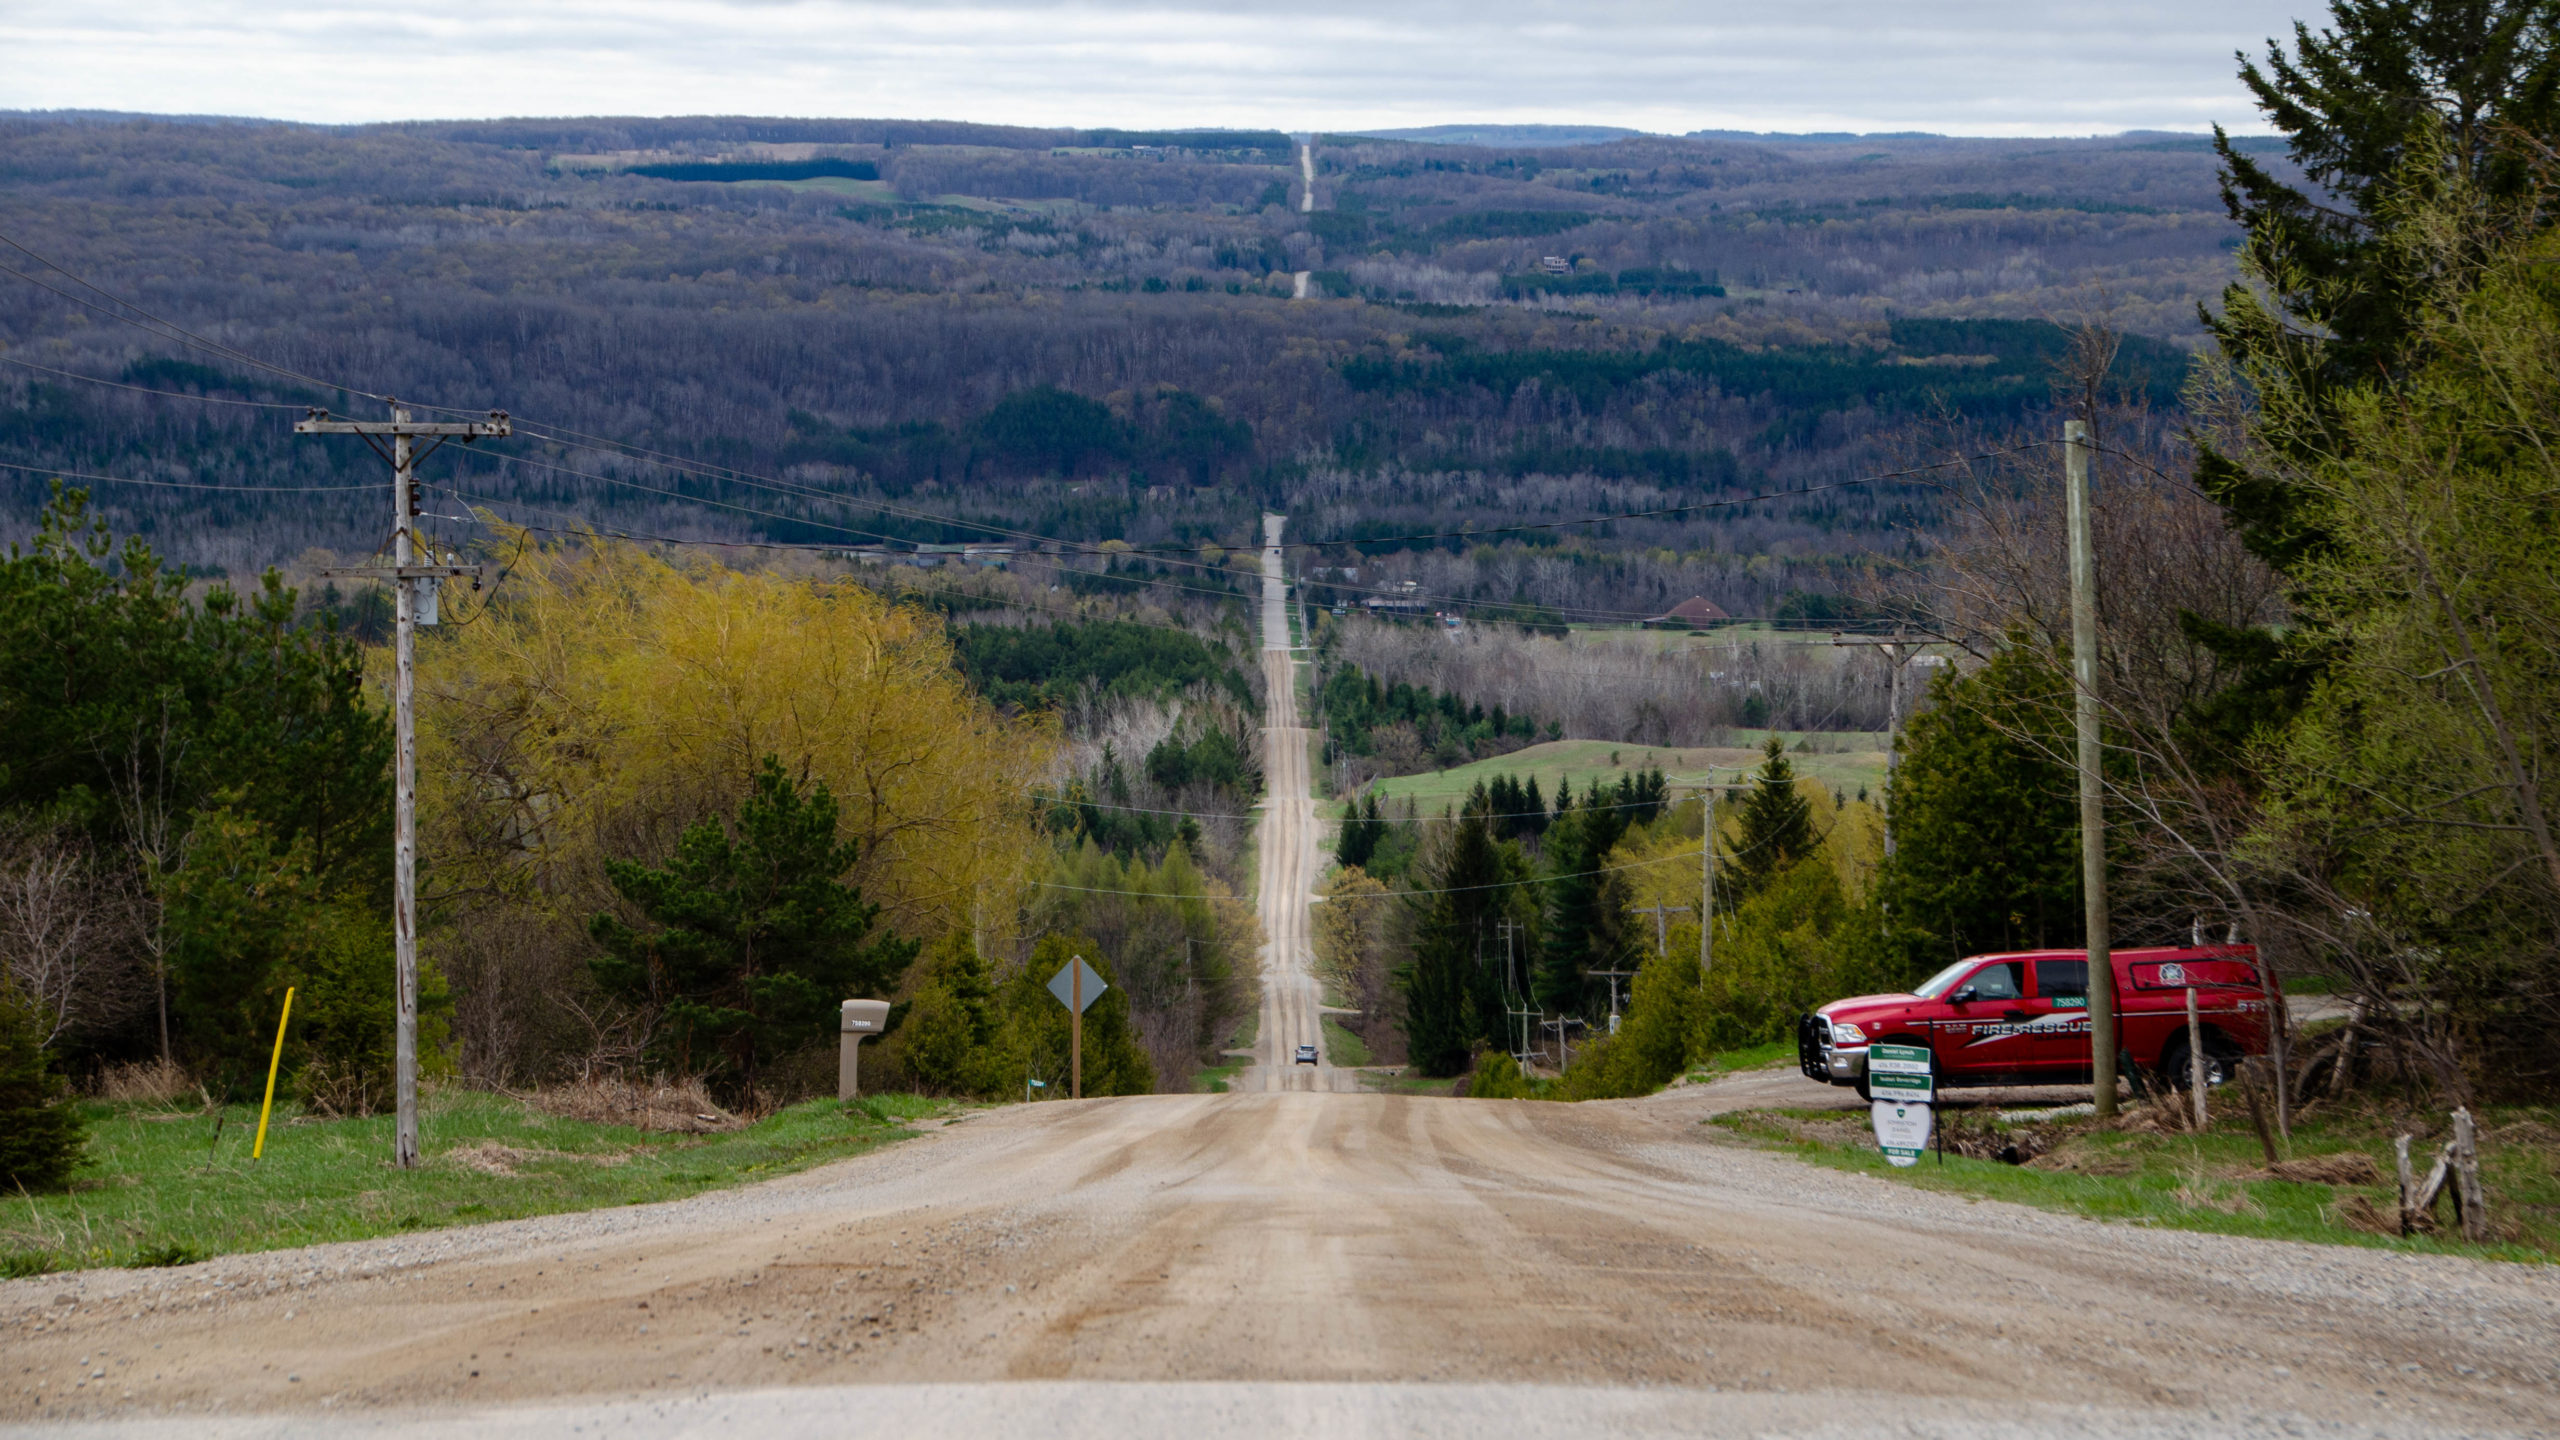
point(1152, 1265)
point(1285, 841)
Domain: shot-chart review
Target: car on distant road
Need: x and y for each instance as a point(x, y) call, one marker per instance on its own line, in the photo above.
point(2023, 1019)
point(1306, 1054)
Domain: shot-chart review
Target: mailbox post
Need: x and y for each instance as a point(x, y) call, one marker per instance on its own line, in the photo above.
point(862, 1019)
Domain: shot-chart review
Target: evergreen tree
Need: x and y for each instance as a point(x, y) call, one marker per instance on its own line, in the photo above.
point(756, 938)
point(41, 1136)
point(2327, 299)
point(1452, 986)
point(1776, 828)
point(1584, 930)
point(1986, 821)
point(1037, 1025)
point(947, 1043)
point(1361, 832)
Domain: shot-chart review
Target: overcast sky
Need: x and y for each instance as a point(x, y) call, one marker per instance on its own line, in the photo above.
point(1970, 67)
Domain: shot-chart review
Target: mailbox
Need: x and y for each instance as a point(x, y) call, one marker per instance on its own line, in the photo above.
point(862, 1019)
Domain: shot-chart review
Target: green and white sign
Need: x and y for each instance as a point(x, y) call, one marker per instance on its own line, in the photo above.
point(1901, 1072)
point(1902, 1129)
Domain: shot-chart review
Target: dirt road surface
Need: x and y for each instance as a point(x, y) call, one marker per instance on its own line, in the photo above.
point(1322, 1264)
point(1292, 1260)
point(1292, 1001)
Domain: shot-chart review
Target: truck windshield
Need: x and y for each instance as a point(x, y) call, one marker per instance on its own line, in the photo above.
point(1936, 985)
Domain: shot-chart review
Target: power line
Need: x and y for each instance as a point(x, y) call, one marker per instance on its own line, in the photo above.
point(587, 529)
point(1364, 819)
point(60, 473)
point(148, 390)
point(169, 329)
point(1391, 894)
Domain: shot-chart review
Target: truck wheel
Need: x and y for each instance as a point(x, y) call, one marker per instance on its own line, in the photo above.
point(2221, 1062)
point(1863, 1092)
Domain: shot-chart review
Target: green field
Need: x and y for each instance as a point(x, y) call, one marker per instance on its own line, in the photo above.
point(167, 1186)
point(1844, 761)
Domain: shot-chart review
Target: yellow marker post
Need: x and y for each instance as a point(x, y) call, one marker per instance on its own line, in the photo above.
point(259, 1149)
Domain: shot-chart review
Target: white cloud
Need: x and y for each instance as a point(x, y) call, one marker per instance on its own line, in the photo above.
point(1967, 67)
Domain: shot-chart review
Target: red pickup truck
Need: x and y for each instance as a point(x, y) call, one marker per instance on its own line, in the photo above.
point(2023, 1019)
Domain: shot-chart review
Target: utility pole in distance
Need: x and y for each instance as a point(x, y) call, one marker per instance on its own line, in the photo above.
point(1707, 880)
point(1897, 652)
point(1661, 920)
point(405, 575)
point(2093, 818)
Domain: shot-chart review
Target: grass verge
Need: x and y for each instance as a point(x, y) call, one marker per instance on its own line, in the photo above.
point(1214, 1079)
point(1341, 1047)
point(2213, 1181)
point(1755, 1057)
point(165, 1187)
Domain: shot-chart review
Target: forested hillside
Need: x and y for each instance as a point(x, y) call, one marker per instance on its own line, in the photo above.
point(1086, 335)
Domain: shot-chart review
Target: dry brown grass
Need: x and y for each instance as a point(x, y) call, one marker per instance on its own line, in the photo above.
point(2352, 1167)
point(676, 1106)
point(146, 1082)
point(492, 1158)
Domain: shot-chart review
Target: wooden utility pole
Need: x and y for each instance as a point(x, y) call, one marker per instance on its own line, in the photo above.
point(1707, 880)
point(1897, 652)
point(2093, 817)
point(1661, 923)
point(405, 575)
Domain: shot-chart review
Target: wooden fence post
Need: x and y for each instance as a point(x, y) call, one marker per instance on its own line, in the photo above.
point(2254, 1073)
point(2195, 1057)
point(2466, 1182)
point(2408, 1184)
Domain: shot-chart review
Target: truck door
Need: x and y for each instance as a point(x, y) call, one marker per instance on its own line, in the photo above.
point(2059, 1046)
point(1989, 1011)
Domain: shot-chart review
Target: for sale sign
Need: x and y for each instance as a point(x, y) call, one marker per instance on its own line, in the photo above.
point(1902, 1130)
point(1900, 1072)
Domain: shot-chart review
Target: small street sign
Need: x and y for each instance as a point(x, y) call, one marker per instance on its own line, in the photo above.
point(1901, 1072)
point(1063, 985)
point(1902, 1130)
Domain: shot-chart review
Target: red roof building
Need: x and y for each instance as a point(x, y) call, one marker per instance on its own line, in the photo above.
point(1695, 613)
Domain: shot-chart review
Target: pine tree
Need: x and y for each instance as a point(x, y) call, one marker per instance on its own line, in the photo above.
point(1987, 853)
point(41, 1135)
point(1776, 828)
point(2328, 299)
point(1450, 984)
point(757, 940)
point(1582, 932)
point(1361, 832)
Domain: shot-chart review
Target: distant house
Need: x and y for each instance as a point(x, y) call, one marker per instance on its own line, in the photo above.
point(1555, 264)
point(1405, 598)
point(1695, 613)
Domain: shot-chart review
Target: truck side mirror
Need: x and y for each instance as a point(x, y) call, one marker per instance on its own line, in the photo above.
point(1964, 996)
